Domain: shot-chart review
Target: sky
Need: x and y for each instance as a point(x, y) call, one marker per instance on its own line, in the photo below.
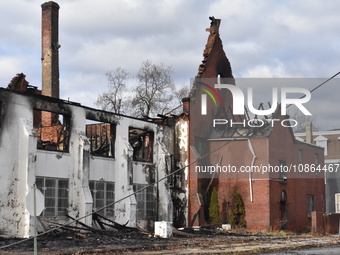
point(262, 39)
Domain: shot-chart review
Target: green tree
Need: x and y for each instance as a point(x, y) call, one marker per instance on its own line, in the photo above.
point(214, 208)
point(237, 213)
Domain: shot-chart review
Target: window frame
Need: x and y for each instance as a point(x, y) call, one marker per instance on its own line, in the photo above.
point(283, 175)
point(140, 153)
point(93, 185)
point(337, 202)
point(145, 201)
point(316, 159)
point(62, 141)
point(310, 205)
point(300, 156)
point(53, 197)
point(108, 140)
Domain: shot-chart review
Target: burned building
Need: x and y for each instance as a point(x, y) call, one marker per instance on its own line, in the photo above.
point(81, 159)
point(80, 168)
point(139, 171)
point(270, 200)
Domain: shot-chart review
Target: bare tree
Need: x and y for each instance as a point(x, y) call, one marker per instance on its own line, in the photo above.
point(112, 100)
point(155, 93)
point(301, 120)
point(176, 104)
point(155, 90)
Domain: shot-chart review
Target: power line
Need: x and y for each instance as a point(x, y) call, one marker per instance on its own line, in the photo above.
point(145, 187)
point(320, 85)
point(325, 82)
point(127, 196)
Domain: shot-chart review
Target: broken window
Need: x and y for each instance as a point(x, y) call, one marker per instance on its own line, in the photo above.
point(102, 137)
point(142, 144)
point(145, 201)
point(52, 130)
point(103, 194)
point(55, 192)
point(310, 205)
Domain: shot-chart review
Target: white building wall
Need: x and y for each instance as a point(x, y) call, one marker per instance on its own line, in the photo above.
point(21, 162)
point(181, 198)
point(15, 145)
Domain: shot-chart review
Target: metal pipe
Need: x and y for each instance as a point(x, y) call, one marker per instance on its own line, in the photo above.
point(35, 218)
point(252, 164)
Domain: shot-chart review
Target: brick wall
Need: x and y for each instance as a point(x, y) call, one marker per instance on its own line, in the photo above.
point(50, 49)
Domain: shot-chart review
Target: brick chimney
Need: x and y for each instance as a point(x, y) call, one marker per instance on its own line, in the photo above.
point(186, 104)
point(50, 49)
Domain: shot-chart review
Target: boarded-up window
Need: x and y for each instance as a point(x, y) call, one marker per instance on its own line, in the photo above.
point(55, 192)
point(102, 138)
point(145, 201)
point(142, 144)
point(103, 194)
point(52, 130)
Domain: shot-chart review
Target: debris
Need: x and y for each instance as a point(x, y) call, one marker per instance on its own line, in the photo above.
point(177, 232)
point(114, 225)
point(138, 242)
point(81, 223)
point(81, 235)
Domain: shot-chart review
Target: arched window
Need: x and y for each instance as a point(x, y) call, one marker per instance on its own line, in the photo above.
point(283, 196)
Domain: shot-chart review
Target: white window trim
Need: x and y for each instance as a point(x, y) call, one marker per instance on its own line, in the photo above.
point(337, 202)
point(321, 141)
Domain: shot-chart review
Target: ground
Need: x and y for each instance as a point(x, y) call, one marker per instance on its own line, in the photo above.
point(140, 242)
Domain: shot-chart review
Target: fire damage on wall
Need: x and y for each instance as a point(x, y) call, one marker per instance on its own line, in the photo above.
point(82, 167)
point(91, 166)
point(100, 170)
point(250, 142)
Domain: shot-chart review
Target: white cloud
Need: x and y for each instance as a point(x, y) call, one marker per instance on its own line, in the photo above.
point(274, 70)
point(261, 39)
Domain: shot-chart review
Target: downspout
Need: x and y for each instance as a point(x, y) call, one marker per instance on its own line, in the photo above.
point(250, 146)
point(213, 176)
point(252, 164)
point(157, 186)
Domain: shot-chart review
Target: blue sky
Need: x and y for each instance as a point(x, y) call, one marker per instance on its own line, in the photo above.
point(262, 38)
